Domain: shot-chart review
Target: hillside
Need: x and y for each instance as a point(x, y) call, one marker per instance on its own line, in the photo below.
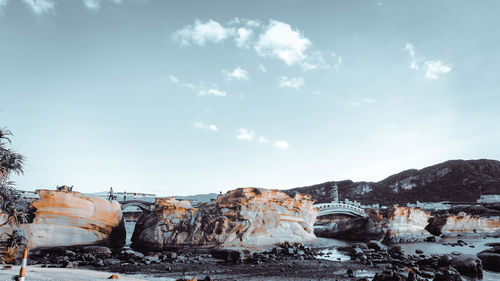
point(454, 180)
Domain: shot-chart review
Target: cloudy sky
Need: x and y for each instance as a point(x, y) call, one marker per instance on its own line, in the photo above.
point(203, 96)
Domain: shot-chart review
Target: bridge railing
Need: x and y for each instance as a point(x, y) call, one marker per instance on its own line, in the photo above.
point(323, 206)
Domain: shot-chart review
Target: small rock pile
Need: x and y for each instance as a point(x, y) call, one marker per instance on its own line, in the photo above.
point(399, 265)
point(284, 251)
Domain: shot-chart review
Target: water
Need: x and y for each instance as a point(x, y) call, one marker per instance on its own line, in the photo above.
point(330, 252)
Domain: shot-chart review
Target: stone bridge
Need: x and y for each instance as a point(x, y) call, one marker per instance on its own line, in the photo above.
point(340, 208)
point(141, 204)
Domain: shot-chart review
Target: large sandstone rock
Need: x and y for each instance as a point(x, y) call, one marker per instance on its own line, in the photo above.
point(66, 218)
point(245, 217)
point(407, 225)
point(463, 222)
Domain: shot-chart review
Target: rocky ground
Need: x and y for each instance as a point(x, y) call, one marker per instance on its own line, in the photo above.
point(284, 262)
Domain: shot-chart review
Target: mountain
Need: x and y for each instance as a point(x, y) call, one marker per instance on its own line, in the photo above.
point(454, 180)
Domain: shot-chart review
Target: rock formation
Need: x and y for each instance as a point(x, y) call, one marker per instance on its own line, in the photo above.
point(245, 217)
point(66, 218)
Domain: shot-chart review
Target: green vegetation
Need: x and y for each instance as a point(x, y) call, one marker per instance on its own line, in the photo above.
point(13, 208)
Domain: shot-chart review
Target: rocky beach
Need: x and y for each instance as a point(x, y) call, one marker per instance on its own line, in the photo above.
point(253, 234)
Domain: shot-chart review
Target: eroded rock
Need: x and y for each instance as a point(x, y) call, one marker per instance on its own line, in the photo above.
point(67, 218)
point(245, 217)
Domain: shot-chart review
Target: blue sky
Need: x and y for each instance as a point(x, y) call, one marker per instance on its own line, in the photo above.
point(204, 96)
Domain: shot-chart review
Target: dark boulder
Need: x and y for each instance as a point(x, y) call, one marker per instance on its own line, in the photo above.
point(490, 260)
point(468, 265)
point(376, 245)
point(447, 274)
point(356, 229)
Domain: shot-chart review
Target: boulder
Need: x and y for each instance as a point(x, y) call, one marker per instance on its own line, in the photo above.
point(362, 246)
point(388, 276)
point(490, 260)
point(397, 250)
point(376, 245)
point(245, 217)
point(468, 265)
point(447, 274)
point(97, 250)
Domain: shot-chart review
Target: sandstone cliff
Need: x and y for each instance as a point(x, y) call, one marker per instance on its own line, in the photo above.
point(66, 218)
point(245, 217)
point(404, 224)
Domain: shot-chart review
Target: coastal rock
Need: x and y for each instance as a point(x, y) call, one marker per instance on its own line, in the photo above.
point(67, 218)
point(407, 225)
point(376, 245)
point(245, 217)
point(463, 222)
point(491, 257)
point(468, 265)
point(357, 229)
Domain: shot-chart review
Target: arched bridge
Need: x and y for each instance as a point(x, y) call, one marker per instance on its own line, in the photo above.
point(340, 208)
point(143, 205)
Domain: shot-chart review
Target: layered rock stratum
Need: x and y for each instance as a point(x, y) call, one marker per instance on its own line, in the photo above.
point(409, 224)
point(67, 218)
point(245, 217)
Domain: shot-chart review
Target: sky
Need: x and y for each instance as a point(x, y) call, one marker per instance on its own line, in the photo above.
point(186, 97)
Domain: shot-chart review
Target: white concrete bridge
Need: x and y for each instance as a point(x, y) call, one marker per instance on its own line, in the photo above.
point(340, 208)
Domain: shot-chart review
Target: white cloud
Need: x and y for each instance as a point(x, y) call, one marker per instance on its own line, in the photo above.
point(40, 6)
point(173, 79)
point(281, 144)
point(238, 73)
point(245, 134)
point(96, 4)
point(434, 68)
point(212, 92)
point(3, 3)
point(262, 68)
point(281, 41)
point(411, 50)
point(263, 140)
point(202, 126)
point(295, 83)
point(242, 37)
point(337, 61)
point(201, 33)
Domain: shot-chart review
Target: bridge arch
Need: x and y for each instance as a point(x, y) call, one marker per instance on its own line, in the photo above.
point(143, 205)
point(340, 208)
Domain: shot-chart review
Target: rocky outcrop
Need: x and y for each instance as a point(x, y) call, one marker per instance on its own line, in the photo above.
point(66, 218)
point(406, 225)
point(245, 217)
point(357, 229)
point(463, 222)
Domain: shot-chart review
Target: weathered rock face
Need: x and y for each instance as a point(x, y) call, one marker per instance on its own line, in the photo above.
point(245, 217)
point(64, 218)
point(407, 224)
point(463, 222)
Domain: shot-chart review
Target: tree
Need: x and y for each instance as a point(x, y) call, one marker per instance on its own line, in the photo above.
point(11, 202)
